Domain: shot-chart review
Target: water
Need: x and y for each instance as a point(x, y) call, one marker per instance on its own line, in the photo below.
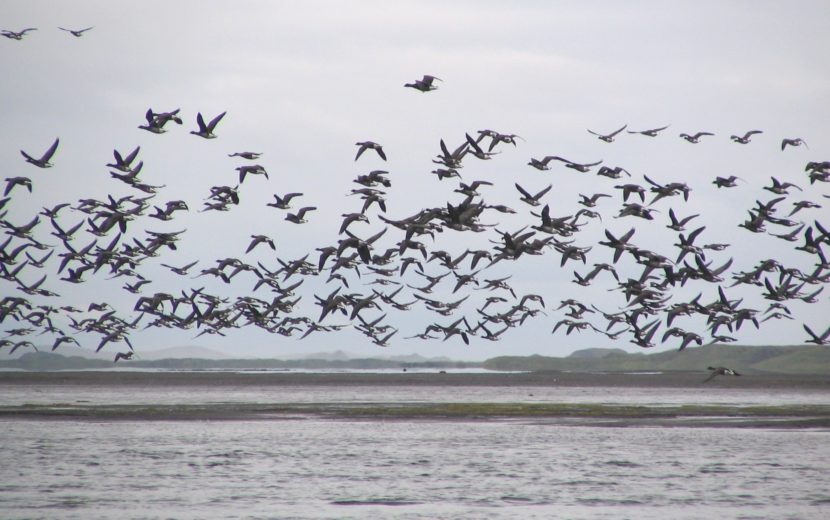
point(338, 469)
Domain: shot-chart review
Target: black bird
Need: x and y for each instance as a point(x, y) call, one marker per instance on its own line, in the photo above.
point(793, 142)
point(77, 33)
point(16, 35)
point(298, 218)
point(815, 338)
point(650, 133)
point(726, 182)
point(608, 138)
point(696, 137)
point(746, 137)
point(720, 371)
point(206, 130)
point(533, 200)
point(366, 145)
point(43, 162)
point(283, 202)
point(123, 355)
point(251, 156)
point(424, 84)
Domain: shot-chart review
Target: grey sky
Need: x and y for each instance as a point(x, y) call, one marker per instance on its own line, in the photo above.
point(303, 81)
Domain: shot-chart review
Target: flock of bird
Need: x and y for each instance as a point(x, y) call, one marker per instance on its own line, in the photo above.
point(46, 253)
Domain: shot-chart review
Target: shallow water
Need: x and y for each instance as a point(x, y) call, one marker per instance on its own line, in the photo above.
point(317, 468)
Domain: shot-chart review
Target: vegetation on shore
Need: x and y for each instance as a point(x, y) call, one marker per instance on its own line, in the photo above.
point(799, 359)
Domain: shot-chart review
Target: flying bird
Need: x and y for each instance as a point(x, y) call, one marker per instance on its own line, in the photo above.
point(696, 137)
point(608, 138)
point(793, 142)
point(16, 35)
point(77, 33)
point(251, 156)
point(533, 200)
point(43, 162)
point(298, 218)
point(206, 130)
point(720, 371)
point(369, 145)
point(815, 338)
point(424, 84)
point(746, 137)
point(650, 133)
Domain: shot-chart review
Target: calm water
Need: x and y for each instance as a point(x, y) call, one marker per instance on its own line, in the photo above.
point(323, 468)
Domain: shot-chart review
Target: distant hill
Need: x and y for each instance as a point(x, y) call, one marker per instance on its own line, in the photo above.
point(806, 359)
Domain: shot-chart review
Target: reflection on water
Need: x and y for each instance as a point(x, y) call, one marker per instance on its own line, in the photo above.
point(316, 468)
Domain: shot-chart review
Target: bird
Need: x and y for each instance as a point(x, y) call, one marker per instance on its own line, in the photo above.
point(123, 355)
point(696, 137)
point(676, 223)
point(580, 167)
point(283, 202)
point(252, 169)
point(123, 163)
point(206, 130)
point(608, 138)
point(650, 133)
point(746, 137)
point(533, 200)
point(726, 182)
point(11, 182)
point(591, 201)
point(367, 145)
point(251, 156)
point(260, 239)
point(542, 164)
point(77, 33)
point(815, 338)
point(157, 120)
point(16, 35)
point(181, 271)
point(720, 371)
point(43, 162)
point(793, 142)
point(424, 84)
point(298, 218)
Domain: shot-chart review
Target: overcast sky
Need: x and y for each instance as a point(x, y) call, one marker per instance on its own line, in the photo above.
point(302, 82)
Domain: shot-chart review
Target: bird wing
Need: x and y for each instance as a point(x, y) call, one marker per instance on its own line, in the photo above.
point(542, 193)
point(215, 121)
point(523, 191)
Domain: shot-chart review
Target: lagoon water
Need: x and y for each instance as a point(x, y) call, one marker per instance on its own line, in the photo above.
point(316, 467)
